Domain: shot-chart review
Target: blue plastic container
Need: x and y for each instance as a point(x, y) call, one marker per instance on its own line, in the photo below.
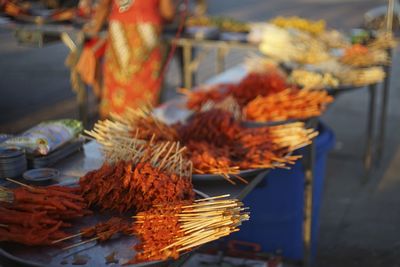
point(276, 206)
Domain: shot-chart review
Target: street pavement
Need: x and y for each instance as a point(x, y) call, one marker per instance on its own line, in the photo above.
point(359, 220)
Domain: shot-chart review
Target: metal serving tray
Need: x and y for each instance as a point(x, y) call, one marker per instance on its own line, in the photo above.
point(244, 174)
point(93, 253)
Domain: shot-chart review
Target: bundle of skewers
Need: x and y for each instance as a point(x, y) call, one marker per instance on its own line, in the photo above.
point(261, 83)
point(165, 231)
point(362, 76)
point(288, 45)
point(254, 84)
point(139, 124)
point(263, 97)
point(138, 176)
point(383, 40)
point(36, 215)
point(313, 80)
point(219, 144)
point(302, 24)
point(361, 56)
point(286, 105)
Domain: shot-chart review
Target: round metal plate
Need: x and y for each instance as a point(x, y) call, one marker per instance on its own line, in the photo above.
point(42, 174)
point(10, 152)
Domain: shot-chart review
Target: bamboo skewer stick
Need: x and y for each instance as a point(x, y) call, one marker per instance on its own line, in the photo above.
point(67, 238)
point(212, 198)
point(19, 183)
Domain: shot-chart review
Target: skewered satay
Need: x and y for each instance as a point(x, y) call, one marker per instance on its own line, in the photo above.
point(252, 85)
point(165, 231)
point(31, 236)
point(124, 186)
point(55, 200)
point(218, 144)
point(288, 104)
point(35, 215)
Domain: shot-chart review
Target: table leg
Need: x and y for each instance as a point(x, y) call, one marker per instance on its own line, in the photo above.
point(370, 128)
point(384, 110)
point(187, 59)
point(308, 163)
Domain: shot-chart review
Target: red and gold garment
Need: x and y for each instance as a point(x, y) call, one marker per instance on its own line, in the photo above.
point(133, 56)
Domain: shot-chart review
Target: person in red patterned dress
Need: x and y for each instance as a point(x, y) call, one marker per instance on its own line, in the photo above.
point(133, 55)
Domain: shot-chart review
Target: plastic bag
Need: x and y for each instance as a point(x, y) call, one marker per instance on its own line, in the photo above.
point(46, 136)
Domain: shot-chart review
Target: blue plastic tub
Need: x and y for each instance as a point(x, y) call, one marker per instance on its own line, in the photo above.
point(276, 206)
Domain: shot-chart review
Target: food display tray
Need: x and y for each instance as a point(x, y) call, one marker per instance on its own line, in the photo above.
point(93, 253)
point(243, 173)
point(255, 124)
point(344, 88)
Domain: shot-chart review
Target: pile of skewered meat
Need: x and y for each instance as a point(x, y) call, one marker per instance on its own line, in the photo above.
point(258, 84)
point(253, 85)
point(288, 104)
point(313, 80)
point(36, 216)
point(167, 230)
point(362, 76)
point(124, 186)
point(263, 97)
point(361, 56)
point(302, 24)
point(218, 144)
